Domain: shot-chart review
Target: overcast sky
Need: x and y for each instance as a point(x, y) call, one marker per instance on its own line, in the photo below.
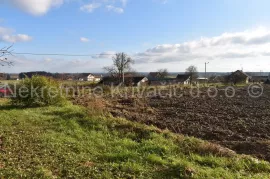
point(170, 34)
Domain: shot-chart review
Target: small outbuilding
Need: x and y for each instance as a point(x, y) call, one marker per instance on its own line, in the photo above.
point(201, 80)
point(183, 79)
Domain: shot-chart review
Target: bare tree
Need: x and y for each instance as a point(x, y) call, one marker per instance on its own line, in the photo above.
point(111, 70)
point(193, 72)
point(121, 64)
point(4, 52)
point(163, 73)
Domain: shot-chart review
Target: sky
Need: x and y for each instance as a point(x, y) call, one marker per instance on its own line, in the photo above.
point(171, 34)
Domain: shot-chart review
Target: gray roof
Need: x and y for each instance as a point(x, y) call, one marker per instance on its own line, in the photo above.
point(182, 77)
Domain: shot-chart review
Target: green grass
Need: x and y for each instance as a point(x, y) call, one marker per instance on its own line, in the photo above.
point(77, 83)
point(67, 142)
point(63, 82)
point(8, 81)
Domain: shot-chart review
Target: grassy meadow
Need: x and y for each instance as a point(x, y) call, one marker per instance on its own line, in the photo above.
point(70, 142)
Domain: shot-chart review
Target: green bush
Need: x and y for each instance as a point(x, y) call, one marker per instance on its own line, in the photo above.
point(38, 91)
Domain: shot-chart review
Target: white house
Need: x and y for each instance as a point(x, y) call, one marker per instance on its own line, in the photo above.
point(91, 78)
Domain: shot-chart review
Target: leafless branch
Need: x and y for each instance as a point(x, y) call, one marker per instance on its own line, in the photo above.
point(163, 73)
point(4, 53)
point(111, 70)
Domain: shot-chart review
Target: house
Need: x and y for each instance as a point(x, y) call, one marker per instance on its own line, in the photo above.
point(128, 81)
point(239, 77)
point(201, 80)
point(13, 77)
point(90, 77)
point(183, 79)
point(98, 78)
point(136, 81)
point(3, 76)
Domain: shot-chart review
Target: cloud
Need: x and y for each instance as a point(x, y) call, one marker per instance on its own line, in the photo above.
point(124, 2)
point(16, 38)
point(4, 30)
point(90, 7)
point(83, 39)
point(48, 60)
point(41, 7)
point(34, 7)
point(115, 9)
point(104, 55)
point(6, 35)
point(54, 64)
point(246, 44)
point(116, 6)
point(161, 1)
point(232, 55)
point(255, 37)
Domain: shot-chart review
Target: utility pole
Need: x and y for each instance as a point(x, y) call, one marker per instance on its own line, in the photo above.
point(205, 72)
point(123, 67)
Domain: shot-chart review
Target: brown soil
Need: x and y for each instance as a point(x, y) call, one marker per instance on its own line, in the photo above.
point(241, 123)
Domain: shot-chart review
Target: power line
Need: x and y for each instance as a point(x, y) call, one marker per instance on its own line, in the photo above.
point(74, 55)
point(60, 54)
